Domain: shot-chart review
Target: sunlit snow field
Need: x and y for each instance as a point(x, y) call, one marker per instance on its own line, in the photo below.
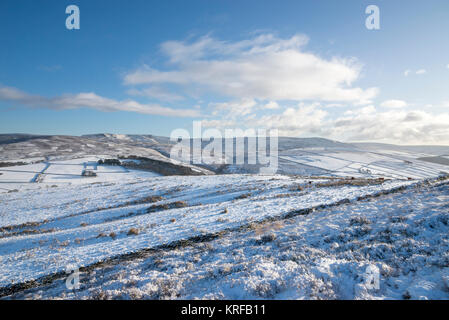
point(235, 236)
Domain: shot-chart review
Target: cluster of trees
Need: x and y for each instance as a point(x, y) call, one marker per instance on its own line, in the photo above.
point(110, 162)
point(12, 164)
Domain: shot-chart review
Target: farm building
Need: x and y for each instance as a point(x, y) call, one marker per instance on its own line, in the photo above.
point(88, 173)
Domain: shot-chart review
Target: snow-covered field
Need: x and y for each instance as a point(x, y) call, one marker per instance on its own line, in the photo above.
point(44, 230)
point(309, 235)
point(63, 172)
point(320, 254)
point(363, 163)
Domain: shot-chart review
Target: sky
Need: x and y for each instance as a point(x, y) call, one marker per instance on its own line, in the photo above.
point(306, 68)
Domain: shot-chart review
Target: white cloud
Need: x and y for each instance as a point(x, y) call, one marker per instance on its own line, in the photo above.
point(364, 110)
point(412, 127)
point(363, 124)
point(234, 109)
point(89, 100)
point(367, 110)
point(302, 120)
point(156, 93)
point(394, 104)
point(334, 105)
point(418, 72)
point(272, 105)
point(264, 68)
point(219, 123)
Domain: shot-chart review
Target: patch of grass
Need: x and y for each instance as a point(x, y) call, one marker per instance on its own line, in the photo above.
point(225, 269)
point(350, 182)
point(269, 289)
point(264, 228)
point(180, 204)
point(243, 196)
point(149, 199)
point(158, 262)
point(133, 232)
point(296, 187)
point(99, 295)
point(167, 206)
point(398, 219)
point(443, 176)
point(268, 238)
point(359, 221)
point(283, 195)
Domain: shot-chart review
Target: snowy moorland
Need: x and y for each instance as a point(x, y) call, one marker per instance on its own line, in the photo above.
point(44, 230)
point(321, 253)
point(315, 231)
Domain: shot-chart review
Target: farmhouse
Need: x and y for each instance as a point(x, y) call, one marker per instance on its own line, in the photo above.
point(88, 173)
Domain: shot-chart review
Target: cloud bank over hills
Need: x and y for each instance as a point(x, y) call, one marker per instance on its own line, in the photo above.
point(264, 81)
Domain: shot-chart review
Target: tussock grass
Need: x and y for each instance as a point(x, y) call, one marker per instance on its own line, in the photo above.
point(133, 232)
point(243, 196)
point(350, 182)
point(167, 206)
point(149, 199)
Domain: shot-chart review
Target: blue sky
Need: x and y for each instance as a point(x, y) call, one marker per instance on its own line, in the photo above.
point(308, 68)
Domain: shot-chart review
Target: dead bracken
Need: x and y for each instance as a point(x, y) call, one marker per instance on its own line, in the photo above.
point(167, 206)
point(133, 232)
point(243, 196)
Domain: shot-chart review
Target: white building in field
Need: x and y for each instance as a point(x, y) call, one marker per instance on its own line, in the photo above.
point(88, 173)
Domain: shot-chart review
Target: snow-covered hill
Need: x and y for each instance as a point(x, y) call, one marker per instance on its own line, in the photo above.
point(296, 156)
point(235, 237)
point(310, 231)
